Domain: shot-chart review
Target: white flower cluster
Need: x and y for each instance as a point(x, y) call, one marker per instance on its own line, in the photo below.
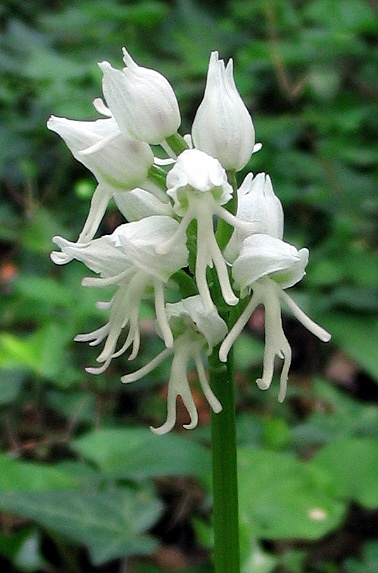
point(173, 207)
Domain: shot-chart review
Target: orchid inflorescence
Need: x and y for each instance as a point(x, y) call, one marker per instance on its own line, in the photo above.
point(176, 207)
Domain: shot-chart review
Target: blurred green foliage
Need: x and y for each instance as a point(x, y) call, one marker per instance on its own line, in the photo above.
point(84, 485)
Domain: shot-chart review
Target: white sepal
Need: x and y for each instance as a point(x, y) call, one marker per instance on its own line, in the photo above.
point(140, 239)
point(99, 255)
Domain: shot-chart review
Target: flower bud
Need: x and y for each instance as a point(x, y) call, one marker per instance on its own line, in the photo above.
point(257, 203)
point(141, 100)
point(222, 126)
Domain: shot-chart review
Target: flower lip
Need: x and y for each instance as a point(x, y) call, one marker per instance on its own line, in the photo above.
point(193, 333)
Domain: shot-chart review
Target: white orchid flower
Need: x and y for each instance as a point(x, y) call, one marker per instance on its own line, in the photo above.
point(118, 162)
point(194, 333)
point(198, 186)
point(141, 100)
point(222, 126)
point(128, 259)
point(266, 265)
point(257, 202)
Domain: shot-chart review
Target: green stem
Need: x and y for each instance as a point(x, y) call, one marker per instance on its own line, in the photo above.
point(225, 487)
point(223, 431)
point(177, 143)
point(186, 284)
point(158, 176)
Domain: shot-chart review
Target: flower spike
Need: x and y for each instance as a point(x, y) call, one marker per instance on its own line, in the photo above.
point(182, 219)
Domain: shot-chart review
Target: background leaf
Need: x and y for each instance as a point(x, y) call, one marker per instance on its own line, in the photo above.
point(21, 476)
point(283, 498)
point(137, 453)
point(354, 465)
point(110, 523)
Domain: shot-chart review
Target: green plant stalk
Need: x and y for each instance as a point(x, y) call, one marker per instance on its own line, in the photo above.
point(224, 467)
point(223, 431)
